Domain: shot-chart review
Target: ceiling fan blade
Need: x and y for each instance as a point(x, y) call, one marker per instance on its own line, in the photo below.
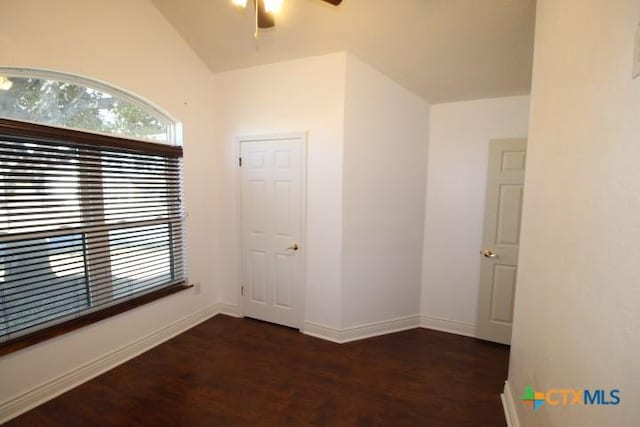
point(265, 20)
point(333, 2)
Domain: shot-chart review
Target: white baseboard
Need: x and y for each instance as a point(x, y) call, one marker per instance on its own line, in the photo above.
point(320, 331)
point(341, 336)
point(229, 309)
point(13, 407)
point(354, 333)
point(509, 406)
point(451, 326)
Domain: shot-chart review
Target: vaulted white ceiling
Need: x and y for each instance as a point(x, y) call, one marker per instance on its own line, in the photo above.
point(443, 50)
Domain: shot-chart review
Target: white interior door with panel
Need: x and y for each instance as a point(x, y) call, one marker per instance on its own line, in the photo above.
point(272, 194)
point(501, 241)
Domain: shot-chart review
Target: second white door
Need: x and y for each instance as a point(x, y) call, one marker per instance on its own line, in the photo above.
point(503, 212)
point(272, 196)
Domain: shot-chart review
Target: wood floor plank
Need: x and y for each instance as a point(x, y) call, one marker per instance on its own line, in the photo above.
point(241, 372)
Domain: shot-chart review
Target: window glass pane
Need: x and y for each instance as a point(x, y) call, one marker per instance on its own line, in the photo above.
point(74, 105)
point(142, 195)
point(140, 258)
point(36, 193)
point(41, 280)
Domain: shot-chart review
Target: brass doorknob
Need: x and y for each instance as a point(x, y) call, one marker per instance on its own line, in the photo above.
point(488, 253)
point(293, 247)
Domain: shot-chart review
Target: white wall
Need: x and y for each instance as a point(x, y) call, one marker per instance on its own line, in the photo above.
point(458, 157)
point(130, 45)
point(577, 316)
point(305, 95)
point(385, 165)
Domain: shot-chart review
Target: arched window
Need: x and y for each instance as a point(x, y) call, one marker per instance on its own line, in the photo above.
point(69, 101)
point(91, 215)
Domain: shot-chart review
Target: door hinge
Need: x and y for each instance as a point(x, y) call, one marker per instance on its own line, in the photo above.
point(242, 290)
point(239, 161)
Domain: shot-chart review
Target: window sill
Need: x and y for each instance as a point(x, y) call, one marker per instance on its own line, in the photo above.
point(24, 341)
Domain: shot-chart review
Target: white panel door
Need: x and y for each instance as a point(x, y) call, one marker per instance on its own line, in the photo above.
point(272, 190)
point(503, 213)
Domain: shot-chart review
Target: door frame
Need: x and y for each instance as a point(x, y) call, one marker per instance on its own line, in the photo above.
point(303, 137)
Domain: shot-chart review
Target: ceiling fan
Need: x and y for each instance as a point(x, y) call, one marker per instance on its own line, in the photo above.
point(266, 10)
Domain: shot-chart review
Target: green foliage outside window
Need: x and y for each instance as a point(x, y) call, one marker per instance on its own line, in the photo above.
point(67, 104)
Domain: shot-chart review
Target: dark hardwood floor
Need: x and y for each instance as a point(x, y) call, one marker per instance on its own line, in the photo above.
point(241, 372)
